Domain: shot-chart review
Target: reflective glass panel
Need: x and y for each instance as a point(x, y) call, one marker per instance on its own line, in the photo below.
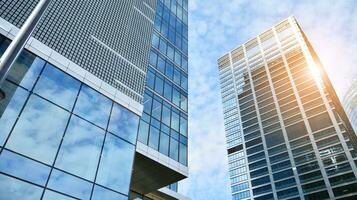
point(100, 193)
point(124, 123)
point(69, 184)
point(50, 195)
point(57, 87)
point(13, 189)
point(116, 163)
point(39, 130)
point(23, 168)
point(10, 108)
point(26, 69)
point(81, 148)
point(93, 106)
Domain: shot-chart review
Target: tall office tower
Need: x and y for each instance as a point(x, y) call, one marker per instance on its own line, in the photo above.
point(75, 96)
point(350, 104)
point(287, 134)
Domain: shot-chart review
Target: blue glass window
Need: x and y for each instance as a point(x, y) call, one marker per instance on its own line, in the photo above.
point(156, 109)
point(153, 58)
point(183, 104)
point(166, 115)
point(39, 130)
point(154, 138)
point(10, 108)
point(147, 103)
point(100, 193)
point(13, 189)
point(150, 79)
point(170, 52)
point(175, 121)
point(184, 84)
point(164, 143)
point(57, 87)
point(174, 149)
point(123, 123)
point(163, 46)
point(183, 126)
point(183, 154)
point(23, 168)
point(26, 69)
point(80, 137)
point(177, 76)
point(159, 85)
point(155, 40)
point(143, 132)
point(69, 184)
point(115, 173)
point(161, 64)
point(50, 195)
point(168, 90)
point(93, 106)
point(176, 96)
point(169, 69)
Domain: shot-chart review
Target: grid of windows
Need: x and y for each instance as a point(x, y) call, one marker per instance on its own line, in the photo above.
point(271, 97)
point(61, 139)
point(164, 125)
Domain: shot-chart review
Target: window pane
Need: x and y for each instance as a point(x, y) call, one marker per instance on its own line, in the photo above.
point(10, 108)
point(175, 121)
point(58, 87)
point(153, 58)
point(50, 195)
point(154, 138)
point(143, 132)
point(100, 193)
point(93, 106)
point(124, 123)
point(81, 138)
point(169, 71)
point(23, 168)
point(156, 109)
point(150, 79)
point(68, 184)
point(26, 69)
point(174, 149)
point(168, 90)
point(159, 85)
point(39, 130)
point(147, 103)
point(166, 114)
point(183, 126)
point(116, 173)
point(164, 143)
point(183, 154)
point(13, 189)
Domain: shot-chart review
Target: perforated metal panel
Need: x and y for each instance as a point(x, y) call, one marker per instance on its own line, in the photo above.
point(110, 39)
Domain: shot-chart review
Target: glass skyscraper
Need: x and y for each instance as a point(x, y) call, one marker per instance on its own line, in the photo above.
point(76, 95)
point(350, 104)
point(287, 134)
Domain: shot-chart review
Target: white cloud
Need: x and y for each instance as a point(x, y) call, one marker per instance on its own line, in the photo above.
point(215, 27)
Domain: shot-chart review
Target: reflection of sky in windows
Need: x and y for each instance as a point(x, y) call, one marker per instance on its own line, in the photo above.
point(50, 195)
point(26, 70)
point(100, 193)
point(80, 149)
point(10, 108)
point(69, 184)
point(115, 165)
point(93, 106)
point(57, 87)
point(23, 168)
point(123, 123)
point(39, 130)
point(13, 189)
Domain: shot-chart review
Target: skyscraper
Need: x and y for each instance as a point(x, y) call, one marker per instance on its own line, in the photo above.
point(350, 104)
point(75, 96)
point(287, 134)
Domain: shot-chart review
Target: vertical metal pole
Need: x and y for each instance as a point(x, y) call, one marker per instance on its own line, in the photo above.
point(18, 43)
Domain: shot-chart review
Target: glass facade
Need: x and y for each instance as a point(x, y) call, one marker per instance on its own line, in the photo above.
point(285, 136)
point(61, 139)
point(163, 125)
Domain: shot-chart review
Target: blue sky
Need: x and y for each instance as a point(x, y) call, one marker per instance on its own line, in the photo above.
point(215, 27)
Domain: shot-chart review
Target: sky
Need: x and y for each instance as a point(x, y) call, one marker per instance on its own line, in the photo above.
point(218, 26)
